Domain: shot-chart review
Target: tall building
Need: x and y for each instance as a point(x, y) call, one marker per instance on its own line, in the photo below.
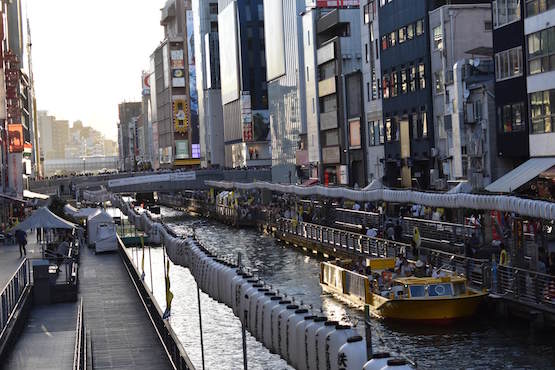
point(128, 114)
point(243, 81)
point(371, 82)
point(461, 43)
point(338, 94)
point(210, 110)
point(286, 85)
point(174, 96)
point(60, 138)
point(45, 125)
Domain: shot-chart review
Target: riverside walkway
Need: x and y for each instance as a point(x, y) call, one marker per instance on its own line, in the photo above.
point(121, 334)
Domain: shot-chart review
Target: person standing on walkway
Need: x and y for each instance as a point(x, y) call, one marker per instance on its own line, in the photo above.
point(21, 239)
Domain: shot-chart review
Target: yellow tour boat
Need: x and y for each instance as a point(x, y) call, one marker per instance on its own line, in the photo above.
point(404, 298)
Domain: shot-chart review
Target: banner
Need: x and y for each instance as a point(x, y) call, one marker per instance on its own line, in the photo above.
point(180, 110)
point(15, 138)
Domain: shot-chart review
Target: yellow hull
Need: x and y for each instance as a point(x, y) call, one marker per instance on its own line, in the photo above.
point(440, 309)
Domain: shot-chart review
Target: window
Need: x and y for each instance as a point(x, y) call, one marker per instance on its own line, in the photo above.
point(505, 11)
point(439, 290)
point(402, 34)
point(366, 53)
point(438, 77)
point(404, 84)
point(421, 76)
point(385, 86)
point(488, 26)
point(213, 8)
point(508, 64)
point(410, 31)
point(412, 78)
point(510, 117)
point(388, 130)
point(438, 38)
point(308, 37)
point(542, 111)
point(307, 74)
point(541, 51)
point(368, 93)
point(392, 39)
point(417, 290)
point(375, 133)
point(394, 84)
point(213, 26)
point(414, 119)
point(424, 117)
point(419, 27)
point(366, 13)
point(384, 42)
point(534, 7)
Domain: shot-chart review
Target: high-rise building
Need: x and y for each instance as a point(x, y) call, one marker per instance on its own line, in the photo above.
point(371, 83)
point(335, 135)
point(210, 110)
point(60, 138)
point(286, 85)
point(461, 67)
point(174, 95)
point(45, 125)
point(243, 83)
point(128, 114)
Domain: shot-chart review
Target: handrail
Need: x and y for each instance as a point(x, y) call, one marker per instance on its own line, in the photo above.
point(440, 222)
point(79, 352)
point(359, 211)
point(12, 293)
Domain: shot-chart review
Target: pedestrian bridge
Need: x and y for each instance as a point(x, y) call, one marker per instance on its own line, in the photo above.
point(148, 181)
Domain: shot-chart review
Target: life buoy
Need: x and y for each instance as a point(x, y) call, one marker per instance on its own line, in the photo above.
point(503, 258)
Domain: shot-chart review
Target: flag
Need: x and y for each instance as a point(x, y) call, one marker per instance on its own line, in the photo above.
point(143, 260)
point(169, 294)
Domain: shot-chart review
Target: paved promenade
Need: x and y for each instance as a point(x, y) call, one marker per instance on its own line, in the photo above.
point(121, 332)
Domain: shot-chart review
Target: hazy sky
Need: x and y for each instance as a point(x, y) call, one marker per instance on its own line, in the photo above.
point(88, 56)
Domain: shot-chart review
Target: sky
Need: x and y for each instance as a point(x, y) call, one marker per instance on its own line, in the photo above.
point(88, 56)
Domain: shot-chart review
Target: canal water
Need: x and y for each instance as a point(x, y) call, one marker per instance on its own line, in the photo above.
point(478, 344)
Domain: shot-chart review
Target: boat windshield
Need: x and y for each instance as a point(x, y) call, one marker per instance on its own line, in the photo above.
point(440, 290)
point(459, 288)
point(417, 291)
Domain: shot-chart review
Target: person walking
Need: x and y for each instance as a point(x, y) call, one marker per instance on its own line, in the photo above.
point(21, 239)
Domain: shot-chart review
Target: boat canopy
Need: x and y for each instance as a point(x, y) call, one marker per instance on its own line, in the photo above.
point(504, 203)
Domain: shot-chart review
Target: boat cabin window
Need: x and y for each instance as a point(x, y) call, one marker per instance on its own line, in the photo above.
point(417, 291)
point(459, 288)
point(439, 290)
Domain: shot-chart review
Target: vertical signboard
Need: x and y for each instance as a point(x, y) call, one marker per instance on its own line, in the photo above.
point(177, 68)
point(15, 138)
point(180, 115)
point(404, 130)
point(193, 93)
point(246, 116)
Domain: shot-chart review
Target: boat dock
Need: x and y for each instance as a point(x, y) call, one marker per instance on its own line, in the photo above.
point(108, 327)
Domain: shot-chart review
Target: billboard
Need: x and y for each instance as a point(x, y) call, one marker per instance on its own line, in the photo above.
point(336, 3)
point(246, 116)
point(261, 125)
point(229, 54)
point(177, 68)
point(193, 93)
point(180, 115)
point(275, 39)
point(182, 149)
point(15, 138)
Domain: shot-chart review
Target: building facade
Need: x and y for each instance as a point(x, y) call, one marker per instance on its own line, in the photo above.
point(129, 112)
point(286, 85)
point(371, 82)
point(243, 83)
point(210, 108)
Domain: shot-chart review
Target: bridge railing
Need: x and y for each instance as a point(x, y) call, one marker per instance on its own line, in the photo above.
point(12, 294)
point(452, 233)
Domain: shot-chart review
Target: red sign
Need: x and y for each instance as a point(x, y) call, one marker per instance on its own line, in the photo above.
point(16, 144)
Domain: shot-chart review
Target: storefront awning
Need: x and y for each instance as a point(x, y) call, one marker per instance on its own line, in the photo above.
point(521, 175)
point(31, 195)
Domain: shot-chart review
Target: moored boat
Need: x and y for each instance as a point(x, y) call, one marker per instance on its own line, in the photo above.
point(423, 299)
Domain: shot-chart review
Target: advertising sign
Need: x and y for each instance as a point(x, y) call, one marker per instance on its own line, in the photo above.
point(246, 117)
point(261, 125)
point(343, 175)
point(191, 59)
point(354, 133)
point(15, 138)
point(182, 149)
point(180, 120)
point(336, 3)
point(229, 53)
point(146, 83)
point(177, 60)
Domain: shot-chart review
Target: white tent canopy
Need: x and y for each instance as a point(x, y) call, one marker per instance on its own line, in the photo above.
point(44, 219)
point(78, 212)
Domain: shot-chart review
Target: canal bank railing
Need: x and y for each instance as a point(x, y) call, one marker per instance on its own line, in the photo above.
point(477, 271)
point(530, 287)
point(12, 300)
point(80, 351)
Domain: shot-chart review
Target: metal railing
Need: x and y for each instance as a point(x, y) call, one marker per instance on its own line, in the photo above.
point(350, 216)
point(80, 350)
point(12, 294)
point(524, 286)
point(438, 230)
point(476, 270)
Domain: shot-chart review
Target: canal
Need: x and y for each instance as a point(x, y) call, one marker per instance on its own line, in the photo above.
point(480, 343)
